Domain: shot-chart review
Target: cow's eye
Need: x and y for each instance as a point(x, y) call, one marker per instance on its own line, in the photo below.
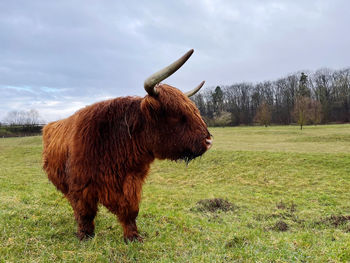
point(183, 119)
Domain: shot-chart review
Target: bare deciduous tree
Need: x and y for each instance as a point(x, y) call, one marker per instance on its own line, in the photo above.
point(307, 111)
point(263, 114)
point(23, 118)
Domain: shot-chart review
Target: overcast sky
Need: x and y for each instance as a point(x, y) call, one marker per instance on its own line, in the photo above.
point(58, 56)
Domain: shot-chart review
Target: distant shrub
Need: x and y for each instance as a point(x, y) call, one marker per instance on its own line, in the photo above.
point(222, 120)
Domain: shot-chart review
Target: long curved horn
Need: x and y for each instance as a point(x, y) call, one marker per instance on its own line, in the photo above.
point(195, 90)
point(157, 77)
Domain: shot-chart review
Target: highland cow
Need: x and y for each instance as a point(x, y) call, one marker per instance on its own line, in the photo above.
point(102, 153)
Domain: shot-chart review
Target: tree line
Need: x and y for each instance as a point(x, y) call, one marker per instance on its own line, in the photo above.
point(316, 97)
point(304, 98)
point(21, 123)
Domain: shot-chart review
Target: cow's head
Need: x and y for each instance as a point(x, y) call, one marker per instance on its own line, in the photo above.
point(178, 131)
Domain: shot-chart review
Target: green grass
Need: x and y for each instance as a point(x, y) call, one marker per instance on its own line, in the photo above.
point(277, 178)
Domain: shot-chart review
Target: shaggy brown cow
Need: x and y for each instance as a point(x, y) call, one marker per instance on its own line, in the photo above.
point(102, 153)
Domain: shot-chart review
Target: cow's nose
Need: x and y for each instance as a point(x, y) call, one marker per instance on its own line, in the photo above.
point(209, 143)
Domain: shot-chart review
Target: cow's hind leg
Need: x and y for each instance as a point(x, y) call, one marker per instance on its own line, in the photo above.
point(84, 205)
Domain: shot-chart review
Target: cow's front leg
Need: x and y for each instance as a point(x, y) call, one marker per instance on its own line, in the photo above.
point(125, 205)
point(126, 214)
point(129, 209)
point(128, 221)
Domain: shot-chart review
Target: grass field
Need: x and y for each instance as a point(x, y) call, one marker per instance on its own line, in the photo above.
point(288, 192)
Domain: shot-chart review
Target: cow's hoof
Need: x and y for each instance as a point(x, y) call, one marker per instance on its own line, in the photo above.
point(83, 236)
point(132, 238)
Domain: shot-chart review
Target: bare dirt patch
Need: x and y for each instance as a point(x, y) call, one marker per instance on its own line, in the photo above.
point(214, 205)
point(237, 242)
point(341, 222)
point(336, 220)
point(280, 226)
point(284, 211)
point(283, 206)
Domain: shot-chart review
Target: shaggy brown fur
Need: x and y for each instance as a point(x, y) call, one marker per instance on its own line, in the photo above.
point(102, 153)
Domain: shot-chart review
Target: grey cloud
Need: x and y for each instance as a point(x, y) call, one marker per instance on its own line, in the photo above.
point(89, 50)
